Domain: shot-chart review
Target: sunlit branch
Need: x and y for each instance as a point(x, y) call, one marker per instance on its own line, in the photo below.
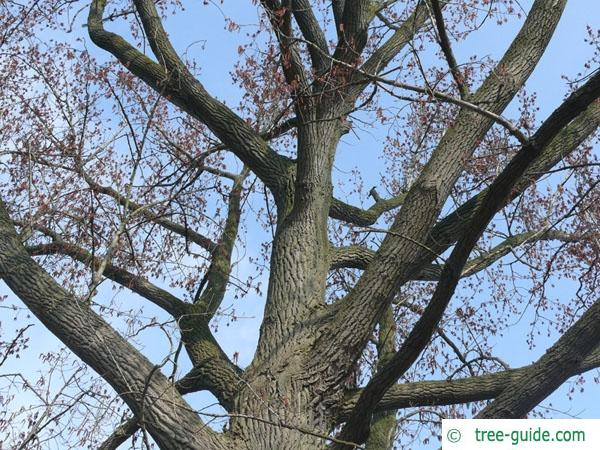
point(100, 346)
point(398, 258)
point(174, 81)
point(465, 390)
point(280, 18)
point(312, 32)
point(210, 293)
point(550, 371)
point(447, 230)
point(359, 257)
point(353, 30)
point(182, 230)
point(364, 217)
point(420, 335)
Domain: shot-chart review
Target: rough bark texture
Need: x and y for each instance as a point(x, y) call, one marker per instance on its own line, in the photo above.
point(296, 392)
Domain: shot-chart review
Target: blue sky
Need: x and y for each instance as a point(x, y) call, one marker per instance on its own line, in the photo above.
point(204, 25)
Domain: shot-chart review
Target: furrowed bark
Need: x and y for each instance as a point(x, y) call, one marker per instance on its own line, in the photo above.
point(447, 230)
point(398, 256)
point(296, 294)
point(312, 32)
point(355, 429)
point(220, 375)
point(123, 432)
point(175, 82)
point(353, 30)
point(193, 381)
point(452, 392)
point(280, 18)
point(550, 371)
point(166, 416)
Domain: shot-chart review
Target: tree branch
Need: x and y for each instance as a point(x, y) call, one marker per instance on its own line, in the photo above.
point(355, 429)
point(193, 381)
point(210, 294)
point(447, 48)
point(175, 227)
point(280, 18)
point(466, 390)
point(359, 257)
point(312, 32)
point(137, 284)
point(380, 59)
point(175, 82)
point(353, 30)
point(167, 417)
point(447, 230)
point(399, 258)
point(550, 371)
point(364, 217)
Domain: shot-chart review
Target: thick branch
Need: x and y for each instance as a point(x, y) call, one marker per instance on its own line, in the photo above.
point(447, 48)
point(123, 432)
point(447, 230)
point(353, 30)
point(175, 82)
point(337, 7)
point(136, 283)
point(312, 32)
point(280, 18)
point(364, 217)
point(211, 365)
point(359, 257)
point(167, 417)
point(550, 371)
point(212, 290)
point(400, 255)
point(356, 429)
point(214, 369)
point(383, 427)
point(191, 382)
point(379, 60)
point(444, 392)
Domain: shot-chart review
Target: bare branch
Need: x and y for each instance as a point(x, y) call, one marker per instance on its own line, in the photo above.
point(136, 283)
point(359, 257)
point(447, 48)
point(466, 390)
point(550, 371)
point(364, 217)
point(176, 82)
point(312, 32)
point(280, 18)
point(168, 417)
point(182, 230)
point(355, 429)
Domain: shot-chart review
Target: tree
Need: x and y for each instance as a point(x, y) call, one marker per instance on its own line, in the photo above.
point(119, 166)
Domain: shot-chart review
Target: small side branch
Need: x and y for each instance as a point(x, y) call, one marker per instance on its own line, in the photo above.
point(135, 283)
point(364, 217)
point(447, 49)
point(466, 390)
